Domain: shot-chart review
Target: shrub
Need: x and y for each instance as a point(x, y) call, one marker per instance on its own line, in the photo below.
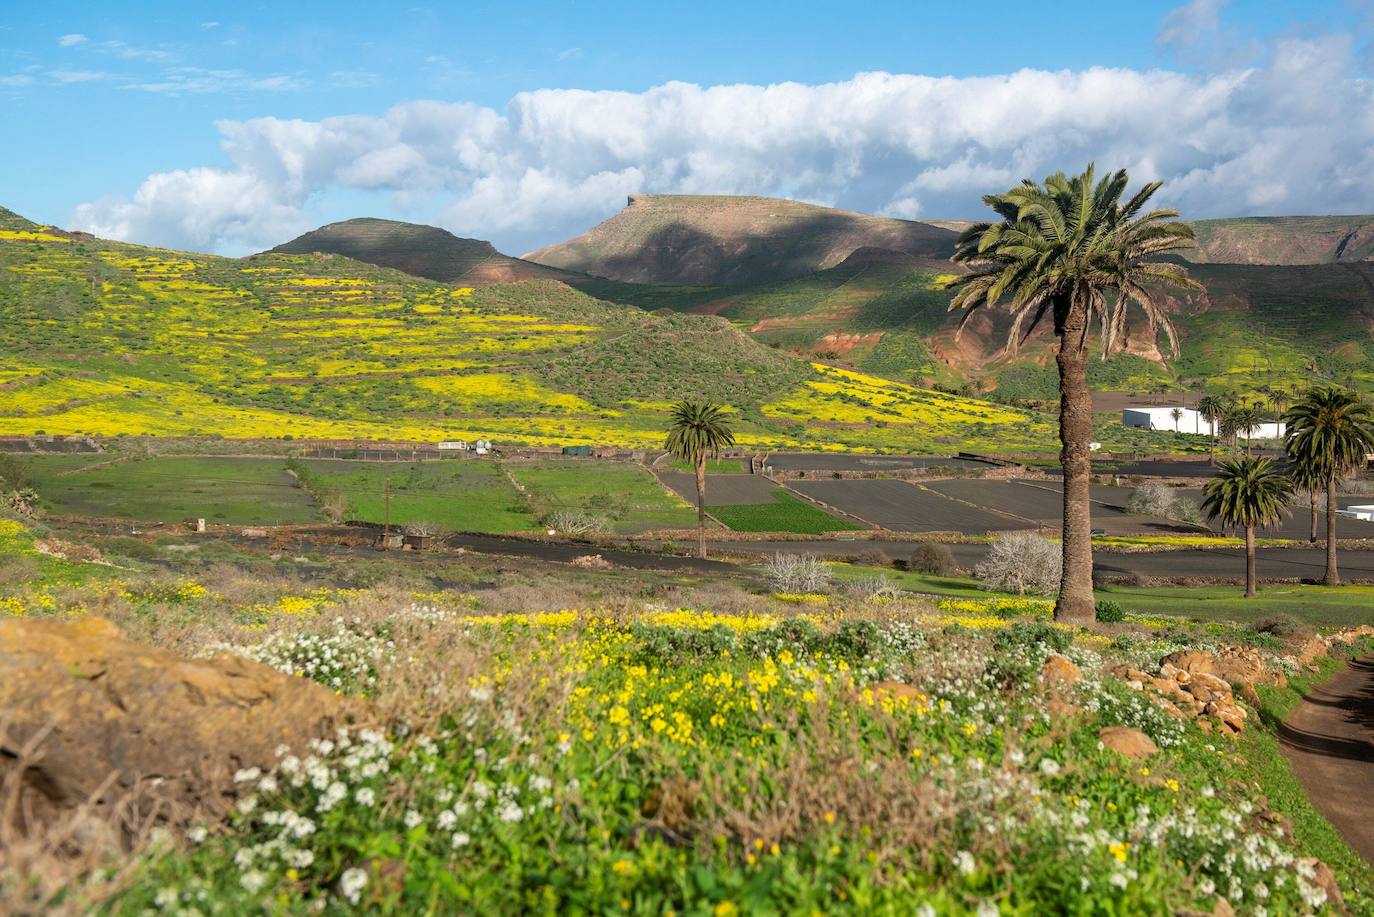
point(1280, 626)
point(576, 523)
point(1162, 501)
point(935, 559)
point(1021, 563)
point(1110, 612)
point(796, 573)
point(872, 587)
point(873, 557)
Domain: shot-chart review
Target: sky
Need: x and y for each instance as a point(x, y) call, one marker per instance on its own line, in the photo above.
point(233, 127)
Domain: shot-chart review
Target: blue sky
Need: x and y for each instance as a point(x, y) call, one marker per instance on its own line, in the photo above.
point(217, 126)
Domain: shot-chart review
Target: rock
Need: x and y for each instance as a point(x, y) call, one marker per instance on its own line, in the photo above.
point(1059, 672)
point(126, 718)
point(1223, 908)
point(253, 533)
point(1127, 741)
point(591, 562)
point(1312, 649)
point(1317, 874)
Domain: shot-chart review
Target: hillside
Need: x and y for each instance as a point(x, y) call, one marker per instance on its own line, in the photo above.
point(713, 241)
point(1284, 240)
point(108, 338)
point(423, 251)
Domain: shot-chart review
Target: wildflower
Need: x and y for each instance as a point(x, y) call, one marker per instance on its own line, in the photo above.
point(726, 909)
point(1049, 767)
point(247, 775)
point(412, 818)
point(963, 861)
point(510, 812)
point(1118, 850)
point(352, 883)
point(365, 796)
point(461, 839)
point(253, 881)
point(623, 868)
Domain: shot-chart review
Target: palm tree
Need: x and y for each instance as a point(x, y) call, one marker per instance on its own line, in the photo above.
point(1177, 415)
point(1246, 418)
point(1211, 408)
point(698, 429)
point(1072, 251)
point(1247, 492)
point(1330, 430)
point(1309, 479)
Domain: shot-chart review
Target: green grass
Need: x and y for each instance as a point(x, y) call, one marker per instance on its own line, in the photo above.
point(624, 493)
point(713, 466)
point(236, 491)
point(785, 514)
point(1342, 606)
point(457, 495)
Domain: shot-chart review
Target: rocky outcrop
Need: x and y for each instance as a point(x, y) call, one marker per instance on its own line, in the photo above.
point(1128, 741)
point(1187, 687)
point(93, 717)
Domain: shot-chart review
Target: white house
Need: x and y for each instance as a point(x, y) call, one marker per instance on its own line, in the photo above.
point(458, 444)
point(1189, 421)
point(1364, 513)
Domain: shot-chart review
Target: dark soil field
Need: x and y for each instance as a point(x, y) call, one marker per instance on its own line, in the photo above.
point(905, 507)
point(852, 461)
point(722, 489)
point(1043, 502)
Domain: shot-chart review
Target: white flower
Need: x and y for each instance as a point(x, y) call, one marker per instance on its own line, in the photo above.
point(197, 834)
point(480, 789)
point(963, 861)
point(166, 898)
point(247, 774)
point(987, 909)
point(351, 884)
point(301, 858)
point(412, 818)
point(480, 693)
point(446, 820)
point(461, 840)
point(365, 796)
point(925, 910)
point(253, 881)
point(248, 804)
point(268, 784)
point(1049, 767)
point(510, 812)
point(540, 783)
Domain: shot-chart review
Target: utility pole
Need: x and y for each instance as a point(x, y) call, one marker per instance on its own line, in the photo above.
point(386, 514)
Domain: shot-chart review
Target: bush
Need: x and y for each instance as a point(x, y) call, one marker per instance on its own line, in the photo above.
point(1110, 612)
point(577, 524)
point(1020, 564)
point(935, 559)
point(873, 557)
point(872, 587)
point(796, 573)
point(1164, 502)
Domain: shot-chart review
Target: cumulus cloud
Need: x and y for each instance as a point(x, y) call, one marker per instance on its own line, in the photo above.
point(72, 40)
point(1292, 133)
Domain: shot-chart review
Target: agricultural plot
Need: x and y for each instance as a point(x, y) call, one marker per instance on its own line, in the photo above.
point(467, 496)
point(904, 507)
point(624, 494)
point(1042, 502)
point(785, 513)
point(236, 491)
point(852, 461)
point(722, 489)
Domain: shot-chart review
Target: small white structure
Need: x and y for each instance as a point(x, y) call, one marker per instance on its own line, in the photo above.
point(482, 446)
point(1363, 513)
point(1189, 421)
point(459, 444)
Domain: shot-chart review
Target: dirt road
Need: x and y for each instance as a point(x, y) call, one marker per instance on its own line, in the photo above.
point(1329, 738)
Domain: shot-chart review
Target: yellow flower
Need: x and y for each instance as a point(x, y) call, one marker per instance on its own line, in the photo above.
point(830, 818)
point(726, 909)
point(623, 868)
point(1119, 850)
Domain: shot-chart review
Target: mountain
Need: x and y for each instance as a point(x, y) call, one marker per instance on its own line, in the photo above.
point(108, 338)
point(717, 240)
point(1284, 240)
point(423, 251)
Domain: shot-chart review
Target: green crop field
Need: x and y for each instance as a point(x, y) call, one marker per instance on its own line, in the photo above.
point(627, 495)
point(785, 514)
point(457, 495)
point(238, 491)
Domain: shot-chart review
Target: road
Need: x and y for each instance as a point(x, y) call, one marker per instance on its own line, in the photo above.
point(1329, 738)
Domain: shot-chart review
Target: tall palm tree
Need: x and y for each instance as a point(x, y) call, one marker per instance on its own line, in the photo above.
point(698, 429)
point(1072, 251)
point(1246, 418)
point(1247, 492)
point(1177, 415)
point(1211, 408)
point(1330, 430)
point(1309, 479)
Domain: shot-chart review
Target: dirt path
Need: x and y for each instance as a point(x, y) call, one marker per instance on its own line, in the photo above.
point(1330, 740)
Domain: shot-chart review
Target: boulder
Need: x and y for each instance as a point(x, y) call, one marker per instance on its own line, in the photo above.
point(1127, 741)
point(1059, 672)
point(112, 719)
point(1241, 665)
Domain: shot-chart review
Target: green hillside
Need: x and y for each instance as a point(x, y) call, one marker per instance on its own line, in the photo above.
point(110, 339)
point(1284, 240)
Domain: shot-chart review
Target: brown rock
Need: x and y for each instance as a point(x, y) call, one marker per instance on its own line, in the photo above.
point(126, 717)
point(1312, 649)
point(1059, 672)
point(1127, 741)
point(1324, 879)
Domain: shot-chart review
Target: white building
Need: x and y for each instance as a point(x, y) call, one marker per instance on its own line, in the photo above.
point(1364, 513)
point(1189, 421)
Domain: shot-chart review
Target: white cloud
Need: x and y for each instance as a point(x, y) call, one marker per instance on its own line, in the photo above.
point(72, 40)
point(1191, 23)
point(1292, 133)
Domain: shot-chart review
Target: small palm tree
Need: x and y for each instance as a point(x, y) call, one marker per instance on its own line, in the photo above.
point(1211, 407)
point(1245, 419)
point(1250, 493)
point(1330, 431)
point(1308, 479)
point(698, 429)
point(1177, 415)
point(1072, 251)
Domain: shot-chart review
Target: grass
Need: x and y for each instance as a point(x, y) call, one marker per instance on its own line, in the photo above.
point(625, 494)
point(713, 466)
point(457, 495)
point(236, 491)
point(1341, 606)
point(785, 514)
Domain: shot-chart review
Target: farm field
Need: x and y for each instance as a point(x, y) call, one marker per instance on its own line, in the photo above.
point(238, 491)
point(464, 496)
point(849, 461)
point(722, 489)
point(1043, 503)
point(625, 494)
point(786, 513)
point(904, 507)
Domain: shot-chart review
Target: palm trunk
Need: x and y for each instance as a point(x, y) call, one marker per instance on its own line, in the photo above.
point(1212, 444)
point(1249, 561)
point(701, 503)
point(1312, 506)
point(1332, 577)
point(1075, 605)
